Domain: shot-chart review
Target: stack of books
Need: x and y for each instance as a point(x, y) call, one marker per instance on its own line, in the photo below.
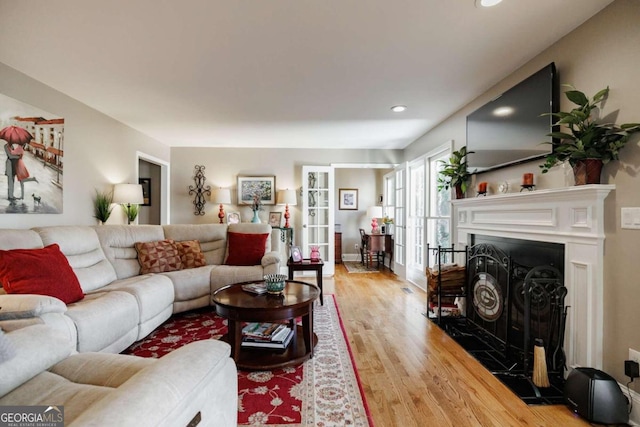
point(266, 335)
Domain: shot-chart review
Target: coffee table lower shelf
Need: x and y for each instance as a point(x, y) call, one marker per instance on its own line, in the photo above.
point(266, 359)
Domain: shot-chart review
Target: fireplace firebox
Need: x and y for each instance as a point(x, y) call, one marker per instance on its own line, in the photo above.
point(515, 294)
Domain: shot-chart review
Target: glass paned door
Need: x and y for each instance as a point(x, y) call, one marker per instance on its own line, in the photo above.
point(399, 228)
point(416, 227)
point(318, 213)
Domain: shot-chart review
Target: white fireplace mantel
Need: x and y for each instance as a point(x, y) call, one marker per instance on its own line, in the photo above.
point(573, 216)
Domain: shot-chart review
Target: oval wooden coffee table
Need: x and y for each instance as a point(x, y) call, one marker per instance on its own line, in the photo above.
point(239, 306)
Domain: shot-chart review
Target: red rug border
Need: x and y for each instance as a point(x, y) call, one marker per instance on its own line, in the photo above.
point(353, 363)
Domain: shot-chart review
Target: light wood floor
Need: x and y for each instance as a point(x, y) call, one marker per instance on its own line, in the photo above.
point(413, 374)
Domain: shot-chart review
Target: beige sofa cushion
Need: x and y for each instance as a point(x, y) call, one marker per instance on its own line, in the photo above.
point(82, 248)
point(19, 239)
point(105, 321)
point(212, 238)
point(118, 241)
point(37, 348)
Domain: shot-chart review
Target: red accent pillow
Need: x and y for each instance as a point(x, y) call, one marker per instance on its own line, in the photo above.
point(191, 254)
point(158, 257)
point(245, 248)
point(43, 271)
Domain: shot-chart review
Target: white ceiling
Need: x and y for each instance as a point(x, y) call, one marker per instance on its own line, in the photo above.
point(279, 73)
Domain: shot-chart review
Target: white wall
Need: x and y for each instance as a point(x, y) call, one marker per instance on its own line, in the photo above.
point(223, 165)
point(98, 152)
point(603, 51)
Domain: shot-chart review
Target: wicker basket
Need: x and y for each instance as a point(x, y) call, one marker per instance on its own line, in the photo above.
point(452, 280)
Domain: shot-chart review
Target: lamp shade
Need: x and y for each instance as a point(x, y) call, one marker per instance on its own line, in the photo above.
point(128, 194)
point(374, 212)
point(221, 196)
point(286, 197)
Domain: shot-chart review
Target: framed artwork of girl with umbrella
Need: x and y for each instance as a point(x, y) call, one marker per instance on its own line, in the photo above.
point(32, 151)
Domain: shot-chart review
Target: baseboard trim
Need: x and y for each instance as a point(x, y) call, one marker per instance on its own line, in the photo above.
point(634, 417)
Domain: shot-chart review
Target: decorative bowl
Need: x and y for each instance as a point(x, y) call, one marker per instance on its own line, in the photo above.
point(275, 283)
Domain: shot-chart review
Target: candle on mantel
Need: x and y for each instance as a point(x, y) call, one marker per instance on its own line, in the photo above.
point(527, 179)
point(482, 187)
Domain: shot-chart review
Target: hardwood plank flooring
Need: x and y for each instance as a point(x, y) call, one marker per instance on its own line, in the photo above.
point(412, 373)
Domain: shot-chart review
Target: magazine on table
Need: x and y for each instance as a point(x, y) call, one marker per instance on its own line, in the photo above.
point(279, 336)
point(255, 288)
point(269, 344)
point(258, 330)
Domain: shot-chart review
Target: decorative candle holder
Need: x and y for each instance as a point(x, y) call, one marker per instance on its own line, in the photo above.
point(482, 189)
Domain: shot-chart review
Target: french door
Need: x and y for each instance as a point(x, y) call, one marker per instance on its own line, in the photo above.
point(318, 213)
point(429, 212)
point(397, 192)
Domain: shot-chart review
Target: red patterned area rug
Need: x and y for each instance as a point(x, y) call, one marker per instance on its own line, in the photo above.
point(324, 391)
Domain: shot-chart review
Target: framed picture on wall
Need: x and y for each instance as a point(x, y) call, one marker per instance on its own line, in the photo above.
point(146, 190)
point(275, 218)
point(348, 199)
point(262, 186)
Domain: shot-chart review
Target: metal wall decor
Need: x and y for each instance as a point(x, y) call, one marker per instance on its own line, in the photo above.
point(199, 190)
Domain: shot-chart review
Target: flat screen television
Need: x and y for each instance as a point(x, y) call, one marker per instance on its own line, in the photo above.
point(510, 129)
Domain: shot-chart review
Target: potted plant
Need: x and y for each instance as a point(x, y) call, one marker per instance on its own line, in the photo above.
point(454, 174)
point(102, 206)
point(586, 144)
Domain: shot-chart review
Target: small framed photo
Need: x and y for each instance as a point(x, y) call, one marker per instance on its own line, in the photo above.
point(146, 190)
point(263, 186)
point(233, 218)
point(275, 218)
point(348, 199)
point(296, 254)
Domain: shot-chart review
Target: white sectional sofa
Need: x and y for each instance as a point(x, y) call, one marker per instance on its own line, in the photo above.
point(122, 306)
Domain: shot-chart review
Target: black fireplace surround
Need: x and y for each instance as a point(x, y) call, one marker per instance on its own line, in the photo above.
point(514, 294)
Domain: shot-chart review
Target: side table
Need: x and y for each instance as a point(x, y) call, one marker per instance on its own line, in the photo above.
point(308, 265)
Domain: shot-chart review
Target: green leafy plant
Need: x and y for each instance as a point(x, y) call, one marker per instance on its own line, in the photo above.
point(454, 173)
point(585, 138)
point(102, 206)
point(132, 212)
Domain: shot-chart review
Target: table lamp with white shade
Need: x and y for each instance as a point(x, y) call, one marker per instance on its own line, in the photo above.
point(374, 212)
point(128, 196)
point(286, 197)
point(223, 197)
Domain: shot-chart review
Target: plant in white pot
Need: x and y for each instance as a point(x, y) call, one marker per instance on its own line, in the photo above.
point(454, 173)
point(585, 143)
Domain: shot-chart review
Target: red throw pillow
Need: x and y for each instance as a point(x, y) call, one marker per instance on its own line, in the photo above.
point(158, 257)
point(246, 249)
point(43, 271)
point(191, 254)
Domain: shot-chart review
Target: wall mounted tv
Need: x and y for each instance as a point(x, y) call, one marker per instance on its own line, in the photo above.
point(510, 129)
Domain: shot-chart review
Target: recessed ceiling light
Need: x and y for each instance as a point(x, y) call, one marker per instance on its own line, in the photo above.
point(398, 108)
point(487, 3)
